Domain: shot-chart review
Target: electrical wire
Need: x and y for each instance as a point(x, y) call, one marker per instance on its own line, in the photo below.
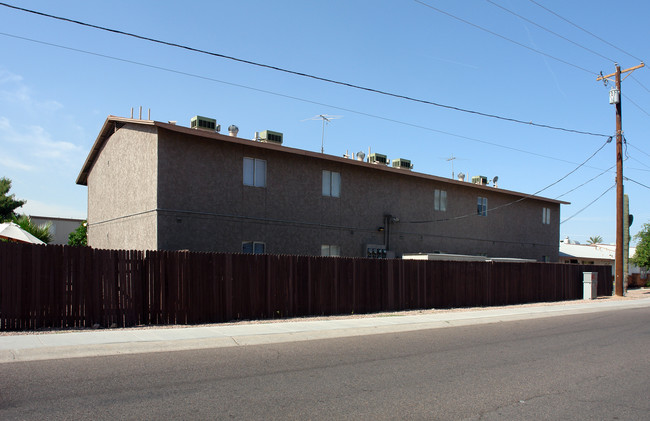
point(636, 105)
point(505, 38)
point(645, 153)
point(638, 169)
point(551, 32)
point(193, 75)
point(586, 182)
point(636, 182)
point(590, 203)
point(584, 30)
point(522, 198)
point(306, 75)
point(641, 84)
point(627, 156)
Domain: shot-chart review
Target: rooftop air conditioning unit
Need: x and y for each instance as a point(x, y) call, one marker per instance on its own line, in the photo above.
point(377, 158)
point(479, 179)
point(203, 123)
point(402, 163)
point(269, 136)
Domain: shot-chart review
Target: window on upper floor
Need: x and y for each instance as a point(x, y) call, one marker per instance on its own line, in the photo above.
point(482, 206)
point(330, 250)
point(254, 172)
point(546, 215)
point(440, 200)
point(253, 247)
point(331, 183)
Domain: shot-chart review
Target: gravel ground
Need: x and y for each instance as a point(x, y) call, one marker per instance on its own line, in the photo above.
point(632, 294)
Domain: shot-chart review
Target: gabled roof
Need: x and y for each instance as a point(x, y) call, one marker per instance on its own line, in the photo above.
point(113, 123)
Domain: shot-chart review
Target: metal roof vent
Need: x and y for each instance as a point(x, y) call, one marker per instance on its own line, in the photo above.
point(269, 136)
point(402, 163)
point(480, 179)
point(233, 130)
point(377, 158)
point(203, 123)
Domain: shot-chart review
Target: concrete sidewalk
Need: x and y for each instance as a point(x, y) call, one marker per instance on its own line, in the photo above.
point(86, 343)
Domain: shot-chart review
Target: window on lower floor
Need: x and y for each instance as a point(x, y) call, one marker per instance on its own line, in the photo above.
point(254, 172)
point(481, 206)
point(331, 183)
point(253, 247)
point(440, 200)
point(330, 250)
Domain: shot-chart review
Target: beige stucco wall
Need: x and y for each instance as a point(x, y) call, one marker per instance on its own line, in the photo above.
point(122, 191)
point(205, 206)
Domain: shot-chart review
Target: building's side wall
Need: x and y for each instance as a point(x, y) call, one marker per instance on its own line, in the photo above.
point(122, 191)
point(60, 228)
point(205, 206)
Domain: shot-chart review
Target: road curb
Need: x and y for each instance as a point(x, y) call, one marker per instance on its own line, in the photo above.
point(108, 343)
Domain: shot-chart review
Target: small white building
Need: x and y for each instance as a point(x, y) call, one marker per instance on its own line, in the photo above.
point(60, 228)
point(593, 254)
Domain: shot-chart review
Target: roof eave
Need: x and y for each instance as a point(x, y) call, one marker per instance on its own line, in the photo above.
point(104, 134)
point(109, 126)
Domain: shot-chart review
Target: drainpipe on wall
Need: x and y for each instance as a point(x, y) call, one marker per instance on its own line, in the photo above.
point(387, 219)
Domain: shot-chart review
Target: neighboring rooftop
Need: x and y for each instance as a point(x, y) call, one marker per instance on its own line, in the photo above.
point(589, 251)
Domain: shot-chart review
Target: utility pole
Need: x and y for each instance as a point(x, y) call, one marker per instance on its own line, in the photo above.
point(615, 98)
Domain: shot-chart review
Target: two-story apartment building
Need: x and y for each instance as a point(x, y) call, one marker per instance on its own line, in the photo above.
point(155, 185)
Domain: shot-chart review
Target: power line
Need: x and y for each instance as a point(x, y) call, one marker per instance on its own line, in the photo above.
point(627, 156)
point(551, 32)
point(417, 126)
point(590, 203)
point(576, 168)
point(586, 182)
point(636, 105)
point(584, 30)
point(640, 162)
point(632, 146)
point(505, 38)
point(637, 81)
point(636, 182)
point(521, 199)
point(302, 74)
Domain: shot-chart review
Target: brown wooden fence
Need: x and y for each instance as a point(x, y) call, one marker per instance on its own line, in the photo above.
point(61, 286)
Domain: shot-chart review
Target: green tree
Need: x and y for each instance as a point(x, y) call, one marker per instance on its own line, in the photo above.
point(42, 232)
point(596, 239)
point(642, 256)
point(8, 203)
point(79, 237)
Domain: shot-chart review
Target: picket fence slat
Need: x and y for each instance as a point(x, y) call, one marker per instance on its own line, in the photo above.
point(67, 287)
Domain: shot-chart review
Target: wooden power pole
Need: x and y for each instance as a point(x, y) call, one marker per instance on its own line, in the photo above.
point(615, 98)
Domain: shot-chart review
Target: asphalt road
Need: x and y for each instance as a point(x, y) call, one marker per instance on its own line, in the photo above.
point(592, 366)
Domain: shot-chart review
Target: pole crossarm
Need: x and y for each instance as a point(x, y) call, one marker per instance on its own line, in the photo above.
point(631, 69)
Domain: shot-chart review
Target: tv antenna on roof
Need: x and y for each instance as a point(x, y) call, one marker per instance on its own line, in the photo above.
point(326, 119)
point(452, 159)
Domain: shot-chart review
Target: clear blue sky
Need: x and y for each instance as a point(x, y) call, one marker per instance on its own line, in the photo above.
point(53, 101)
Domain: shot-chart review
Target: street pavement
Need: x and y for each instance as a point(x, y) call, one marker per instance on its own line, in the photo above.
point(102, 342)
